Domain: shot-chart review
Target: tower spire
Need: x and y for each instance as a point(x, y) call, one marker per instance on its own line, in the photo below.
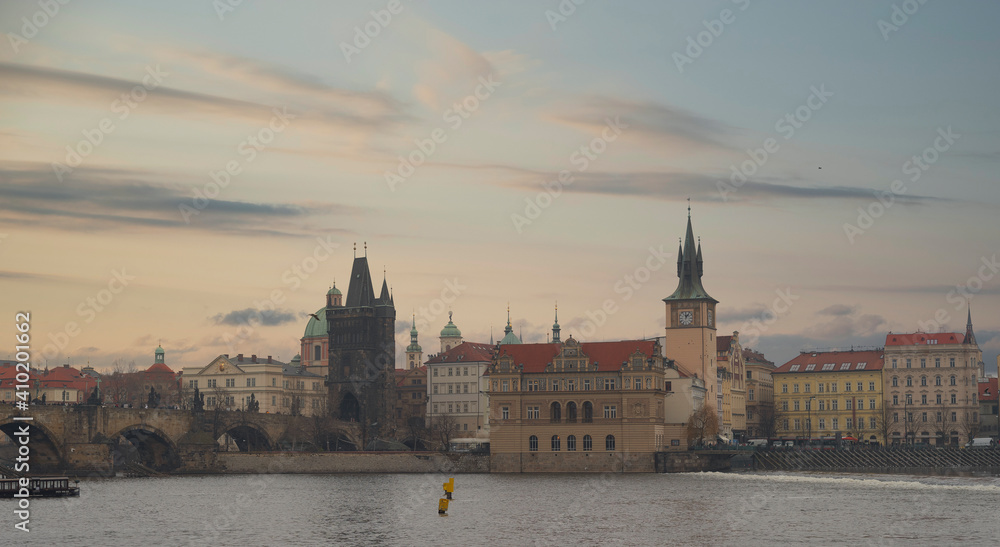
point(555, 326)
point(970, 337)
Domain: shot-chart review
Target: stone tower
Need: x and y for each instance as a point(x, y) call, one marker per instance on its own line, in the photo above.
point(362, 354)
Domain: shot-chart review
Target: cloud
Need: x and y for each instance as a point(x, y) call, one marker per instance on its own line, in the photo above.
point(657, 123)
point(253, 316)
point(105, 199)
point(838, 309)
point(745, 313)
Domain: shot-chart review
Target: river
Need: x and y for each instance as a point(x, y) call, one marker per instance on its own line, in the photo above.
point(612, 509)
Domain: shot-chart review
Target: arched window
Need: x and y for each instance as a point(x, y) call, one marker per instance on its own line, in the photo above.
point(909, 381)
point(895, 381)
point(953, 379)
point(555, 443)
point(923, 380)
point(937, 380)
point(609, 443)
point(588, 410)
point(533, 443)
point(555, 413)
point(317, 352)
point(588, 443)
point(571, 443)
point(570, 412)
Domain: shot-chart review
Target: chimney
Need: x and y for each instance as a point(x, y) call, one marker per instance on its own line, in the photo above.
point(269, 359)
point(226, 355)
point(239, 357)
point(253, 358)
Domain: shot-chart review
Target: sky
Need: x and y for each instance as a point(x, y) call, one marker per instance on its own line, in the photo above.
point(197, 174)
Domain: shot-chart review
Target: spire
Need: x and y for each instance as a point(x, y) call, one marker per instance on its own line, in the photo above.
point(491, 335)
point(414, 347)
point(970, 337)
point(555, 326)
point(689, 269)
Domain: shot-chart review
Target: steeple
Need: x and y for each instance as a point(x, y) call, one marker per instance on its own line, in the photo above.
point(360, 291)
point(690, 269)
point(509, 336)
point(970, 337)
point(555, 327)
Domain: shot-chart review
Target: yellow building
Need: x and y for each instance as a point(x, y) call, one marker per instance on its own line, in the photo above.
point(732, 385)
point(280, 388)
point(820, 394)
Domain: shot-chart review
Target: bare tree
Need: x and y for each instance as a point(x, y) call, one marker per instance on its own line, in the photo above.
point(445, 428)
point(702, 424)
point(768, 418)
point(967, 426)
point(883, 423)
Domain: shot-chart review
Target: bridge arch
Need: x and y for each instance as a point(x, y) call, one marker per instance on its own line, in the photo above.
point(45, 451)
point(248, 436)
point(146, 445)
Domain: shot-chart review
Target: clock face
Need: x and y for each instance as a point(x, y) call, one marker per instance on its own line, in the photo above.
point(686, 317)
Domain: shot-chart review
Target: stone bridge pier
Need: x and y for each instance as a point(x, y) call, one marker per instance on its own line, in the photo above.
point(101, 439)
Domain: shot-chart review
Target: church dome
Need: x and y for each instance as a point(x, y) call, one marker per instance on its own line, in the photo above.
point(317, 328)
point(450, 330)
point(334, 291)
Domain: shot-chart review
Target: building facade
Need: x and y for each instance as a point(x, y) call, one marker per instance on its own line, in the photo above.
point(932, 386)
point(731, 378)
point(314, 346)
point(989, 412)
point(825, 393)
point(761, 417)
point(571, 406)
point(457, 398)
point(280, 388)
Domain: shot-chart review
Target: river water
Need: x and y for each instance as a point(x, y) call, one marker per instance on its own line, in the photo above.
point(612, 509)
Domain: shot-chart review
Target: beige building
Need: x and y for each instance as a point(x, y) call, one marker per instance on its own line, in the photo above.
point(280, 388)
point(731, 377)
point(572, 406)
point(760, 395)
point(457, 402)
point(823, 393)
point(931, 384)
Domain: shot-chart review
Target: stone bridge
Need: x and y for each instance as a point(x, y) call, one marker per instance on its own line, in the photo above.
point(99, 438)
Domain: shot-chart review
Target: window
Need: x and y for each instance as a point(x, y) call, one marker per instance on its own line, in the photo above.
point(895, 417)
point(951, 363)
point(923, 381)
point(784, 388)
point(937, 380)
point(571, 385)
point(871, 404)
point(847, 386)
point(907, 362)
point(937, 362)
point(835, 424)
point(954, 399)
point(317, 352)
point(449, 371)
point(609, 443)
point(533, 412)
point(833, 387)
point(953, 380)
point(795, 368)
point(798, 423)
point(609, 384)
point(923, 416)
point(938, 416)
point(465, 407)
point(871, 423)
point(795, 405)
point(250, 382)
point(555, 412)
point(795, 388)
point(571, 412)
point(586, 385)
point(784, 424)
point(784, 406)
point(822, 423)
point(820, 388)
point(503, 386)
point(750, 394)
point(555, 443)
point(810, 367)
point(571, 443)
point(822, 405)
point(923, 399)
point(845, 366)
point(848, 404)
point(450, 388)
point(909, 398)
point(828, 366)
point(954, 417)
point(435, 389)
point(893, 363)
point(923, 364)
point(274, 400)
point(533, 443)
point(833, 406)
point(193, 384)
point(807, 387)
point(895, 399)
point(435, 371)
point(861, 386)
point(938, 399)
point(588, 414)
point(588, 443)
point(451, 408)
point(505, 412)
point(610, 411)
point(465, 371)
point(628, 384)
point(849, 422)
point(895, 381)
point(871, 386)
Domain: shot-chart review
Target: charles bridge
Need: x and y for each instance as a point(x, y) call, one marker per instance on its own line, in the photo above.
point(101, 438)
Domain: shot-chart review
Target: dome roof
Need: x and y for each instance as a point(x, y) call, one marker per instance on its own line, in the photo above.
point(159, 350)
point(296, 360)
point(334, 290)
point(317, 328)
point(450, 330)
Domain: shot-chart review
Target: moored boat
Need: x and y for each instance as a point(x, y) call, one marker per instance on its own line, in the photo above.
point(38, 487)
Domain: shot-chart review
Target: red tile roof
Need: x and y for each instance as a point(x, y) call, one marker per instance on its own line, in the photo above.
point(918, 338)
point(815, 361)
point(466, 352)
point(751, 356)
point(609, 356)
point(159, 368)
point(991, 385)
point(722, 343)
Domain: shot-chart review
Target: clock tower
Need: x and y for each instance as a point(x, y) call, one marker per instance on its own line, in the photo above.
point(690, 334)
